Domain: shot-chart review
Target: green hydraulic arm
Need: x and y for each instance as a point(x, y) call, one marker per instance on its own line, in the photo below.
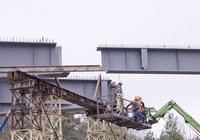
point(172, 104)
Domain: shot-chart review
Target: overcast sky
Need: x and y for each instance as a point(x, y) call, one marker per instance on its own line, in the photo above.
point(79, 26)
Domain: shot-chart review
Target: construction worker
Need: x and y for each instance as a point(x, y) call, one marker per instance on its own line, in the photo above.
point(118, 101)
point(138, 106)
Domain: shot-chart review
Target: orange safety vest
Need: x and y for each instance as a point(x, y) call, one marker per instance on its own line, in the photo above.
point(137, 105)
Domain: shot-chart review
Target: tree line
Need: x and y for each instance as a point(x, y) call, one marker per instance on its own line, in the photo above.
point(75, 128)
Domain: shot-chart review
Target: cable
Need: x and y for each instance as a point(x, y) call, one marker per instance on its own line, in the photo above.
point(112, 131)
point(119, 77)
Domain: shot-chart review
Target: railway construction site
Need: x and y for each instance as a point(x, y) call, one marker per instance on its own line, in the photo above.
point(35, 96)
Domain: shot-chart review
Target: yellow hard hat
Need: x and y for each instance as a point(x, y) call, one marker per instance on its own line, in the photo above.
point(137, 97)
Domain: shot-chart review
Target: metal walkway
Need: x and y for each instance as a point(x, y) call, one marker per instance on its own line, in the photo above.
point(124, 121)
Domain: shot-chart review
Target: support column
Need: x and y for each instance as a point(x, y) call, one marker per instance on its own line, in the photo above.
point(101, 130)
point(25, 111)
point(35, 111)
point(52, 118)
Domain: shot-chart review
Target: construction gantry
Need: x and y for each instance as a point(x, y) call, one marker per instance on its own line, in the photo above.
point(35, 113)
point(36, 110)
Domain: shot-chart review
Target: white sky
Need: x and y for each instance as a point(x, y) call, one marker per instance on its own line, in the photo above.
point(79, 26)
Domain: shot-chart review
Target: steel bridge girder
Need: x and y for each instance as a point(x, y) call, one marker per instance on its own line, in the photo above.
point(150, 60)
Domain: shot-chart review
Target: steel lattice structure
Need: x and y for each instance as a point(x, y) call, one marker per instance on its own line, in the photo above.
point(102, 130)
point(34, 114)
point(36, 111)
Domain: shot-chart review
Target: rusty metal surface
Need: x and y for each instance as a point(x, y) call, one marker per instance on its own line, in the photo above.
point(73, 111)
point(60, 92)
point(96, 109)
point(124, 121)
point(120, 117)
point(81, 84)
point(64, 68)
point(23, 94)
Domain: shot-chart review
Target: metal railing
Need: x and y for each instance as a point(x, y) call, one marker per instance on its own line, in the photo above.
point(112, 104)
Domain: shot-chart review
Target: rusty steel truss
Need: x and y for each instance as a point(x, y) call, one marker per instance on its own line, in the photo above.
point(36, 107)
point(98, 129)
point(65, 68)
point(36, 111)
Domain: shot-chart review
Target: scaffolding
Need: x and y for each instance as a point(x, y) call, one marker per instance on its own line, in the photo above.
point(35, 114)
point(102, 130)
point(36, 111)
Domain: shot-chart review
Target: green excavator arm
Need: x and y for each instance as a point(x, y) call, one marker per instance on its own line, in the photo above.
point(152, 119)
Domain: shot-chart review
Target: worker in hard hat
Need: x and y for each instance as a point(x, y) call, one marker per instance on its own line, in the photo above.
point(138, 112)
point(138, 100)
point(118, 96)
point(138, 109)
